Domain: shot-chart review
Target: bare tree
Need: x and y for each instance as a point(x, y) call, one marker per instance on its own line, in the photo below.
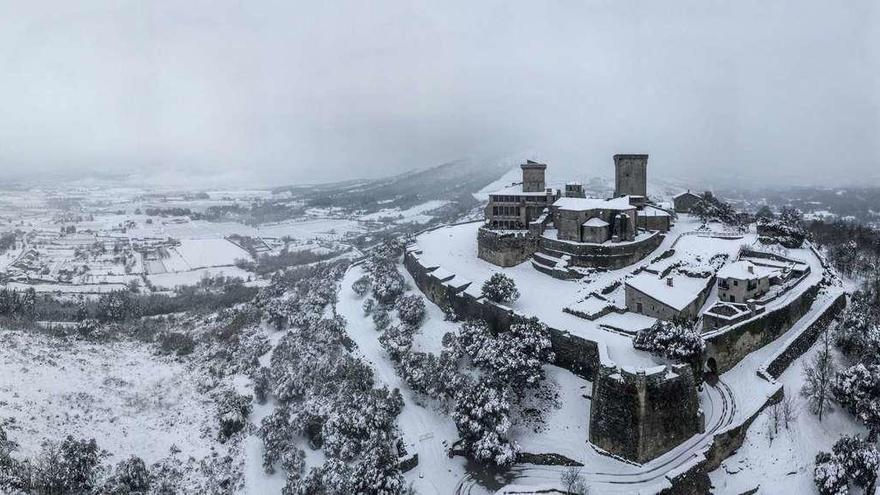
point(573, 482)
point(788, 412)
point(819, 373)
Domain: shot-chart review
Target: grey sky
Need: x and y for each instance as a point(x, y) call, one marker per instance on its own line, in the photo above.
point(274, 92)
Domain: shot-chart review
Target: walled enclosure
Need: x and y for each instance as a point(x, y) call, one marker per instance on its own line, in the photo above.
point(609, 257)
point(505, 249)
point(660, 406)
point(728, 346)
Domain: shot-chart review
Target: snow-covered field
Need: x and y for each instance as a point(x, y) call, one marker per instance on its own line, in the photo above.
point(416, 214)
point(121, 394)
point(206, 253)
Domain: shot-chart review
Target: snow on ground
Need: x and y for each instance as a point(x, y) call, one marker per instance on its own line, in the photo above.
point(68, 288)
point(416, 214)
point(120, 394)
point(192, 277)
point(425, 431)
point(435, 325)
point(784, 465)
point(627, 322)
point(206, 253)
point(512, 176)
point(256, 479)
point(565, 428)
point(455, 249)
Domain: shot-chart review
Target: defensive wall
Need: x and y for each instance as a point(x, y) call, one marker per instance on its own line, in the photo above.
point(505, 248)
point(639, 415)
point(693, 478)
point(508, 248)
point(727, 346)
point(798, 344)
point(606, 256)
point(635, 414)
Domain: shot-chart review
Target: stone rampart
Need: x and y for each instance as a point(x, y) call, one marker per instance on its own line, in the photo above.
point(693, 478)
point(641, 415)
point(800, 343)
point(726, 346)
point(660, 404)
point(505, 248)
point(608, 256)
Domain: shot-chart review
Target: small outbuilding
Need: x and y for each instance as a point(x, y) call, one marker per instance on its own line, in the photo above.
point(683, 202)
point(667, 298)
point(743, 280)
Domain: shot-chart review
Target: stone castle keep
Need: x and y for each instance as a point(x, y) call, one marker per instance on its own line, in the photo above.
point(563, 230)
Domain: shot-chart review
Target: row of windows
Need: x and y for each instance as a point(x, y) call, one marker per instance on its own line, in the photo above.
point(504, 224)
point(517, 199)
point(505, 210)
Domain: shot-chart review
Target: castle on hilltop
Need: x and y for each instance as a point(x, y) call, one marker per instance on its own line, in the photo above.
point(564, 231)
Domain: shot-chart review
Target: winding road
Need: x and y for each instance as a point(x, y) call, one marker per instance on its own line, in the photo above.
point(629, 477)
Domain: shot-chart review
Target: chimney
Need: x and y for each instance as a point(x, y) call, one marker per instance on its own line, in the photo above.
point(751, 268)
point(669, 281)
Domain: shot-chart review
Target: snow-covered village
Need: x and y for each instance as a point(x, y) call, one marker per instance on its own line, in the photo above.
point(439, 248)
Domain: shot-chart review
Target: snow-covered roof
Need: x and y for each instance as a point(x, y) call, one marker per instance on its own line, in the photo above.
point(581, 204)
point(684, 289)
point(740, 271)
point(686, 193)
point(595, 222)
point(650, 211)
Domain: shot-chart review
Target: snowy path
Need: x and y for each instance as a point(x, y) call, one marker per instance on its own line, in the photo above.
point(256, 480)
point(424, 430)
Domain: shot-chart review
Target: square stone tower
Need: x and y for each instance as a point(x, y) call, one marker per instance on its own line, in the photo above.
point(533, 176)
point(631, 175)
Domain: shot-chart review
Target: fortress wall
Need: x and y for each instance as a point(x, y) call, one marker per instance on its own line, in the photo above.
point(578, 355)
point(693, 479)
point(641, 415)
point(803, 341)
point(611, 257)
point(635, 415)
point(727, 346)
point(505, 249)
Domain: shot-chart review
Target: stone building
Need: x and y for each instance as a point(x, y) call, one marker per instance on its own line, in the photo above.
point(631, 175)
point(530, 217)
point(594, 220)
point(683, 202)
point(574, 190)
point(670, 298)
point(514, 207)
point(743, 280)
point(653, 218)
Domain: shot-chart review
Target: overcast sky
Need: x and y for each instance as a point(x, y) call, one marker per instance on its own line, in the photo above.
point(290, 91)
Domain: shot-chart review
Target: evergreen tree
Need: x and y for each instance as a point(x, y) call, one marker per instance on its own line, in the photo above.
point(500, 289)
point(482, 416)
point(672, 340)
point(857, 389)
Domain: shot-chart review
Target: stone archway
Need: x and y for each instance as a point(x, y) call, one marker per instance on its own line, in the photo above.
point(711, 374)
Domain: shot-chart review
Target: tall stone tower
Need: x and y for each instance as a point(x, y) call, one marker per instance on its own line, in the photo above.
point(631, 175)
point(533, 176)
